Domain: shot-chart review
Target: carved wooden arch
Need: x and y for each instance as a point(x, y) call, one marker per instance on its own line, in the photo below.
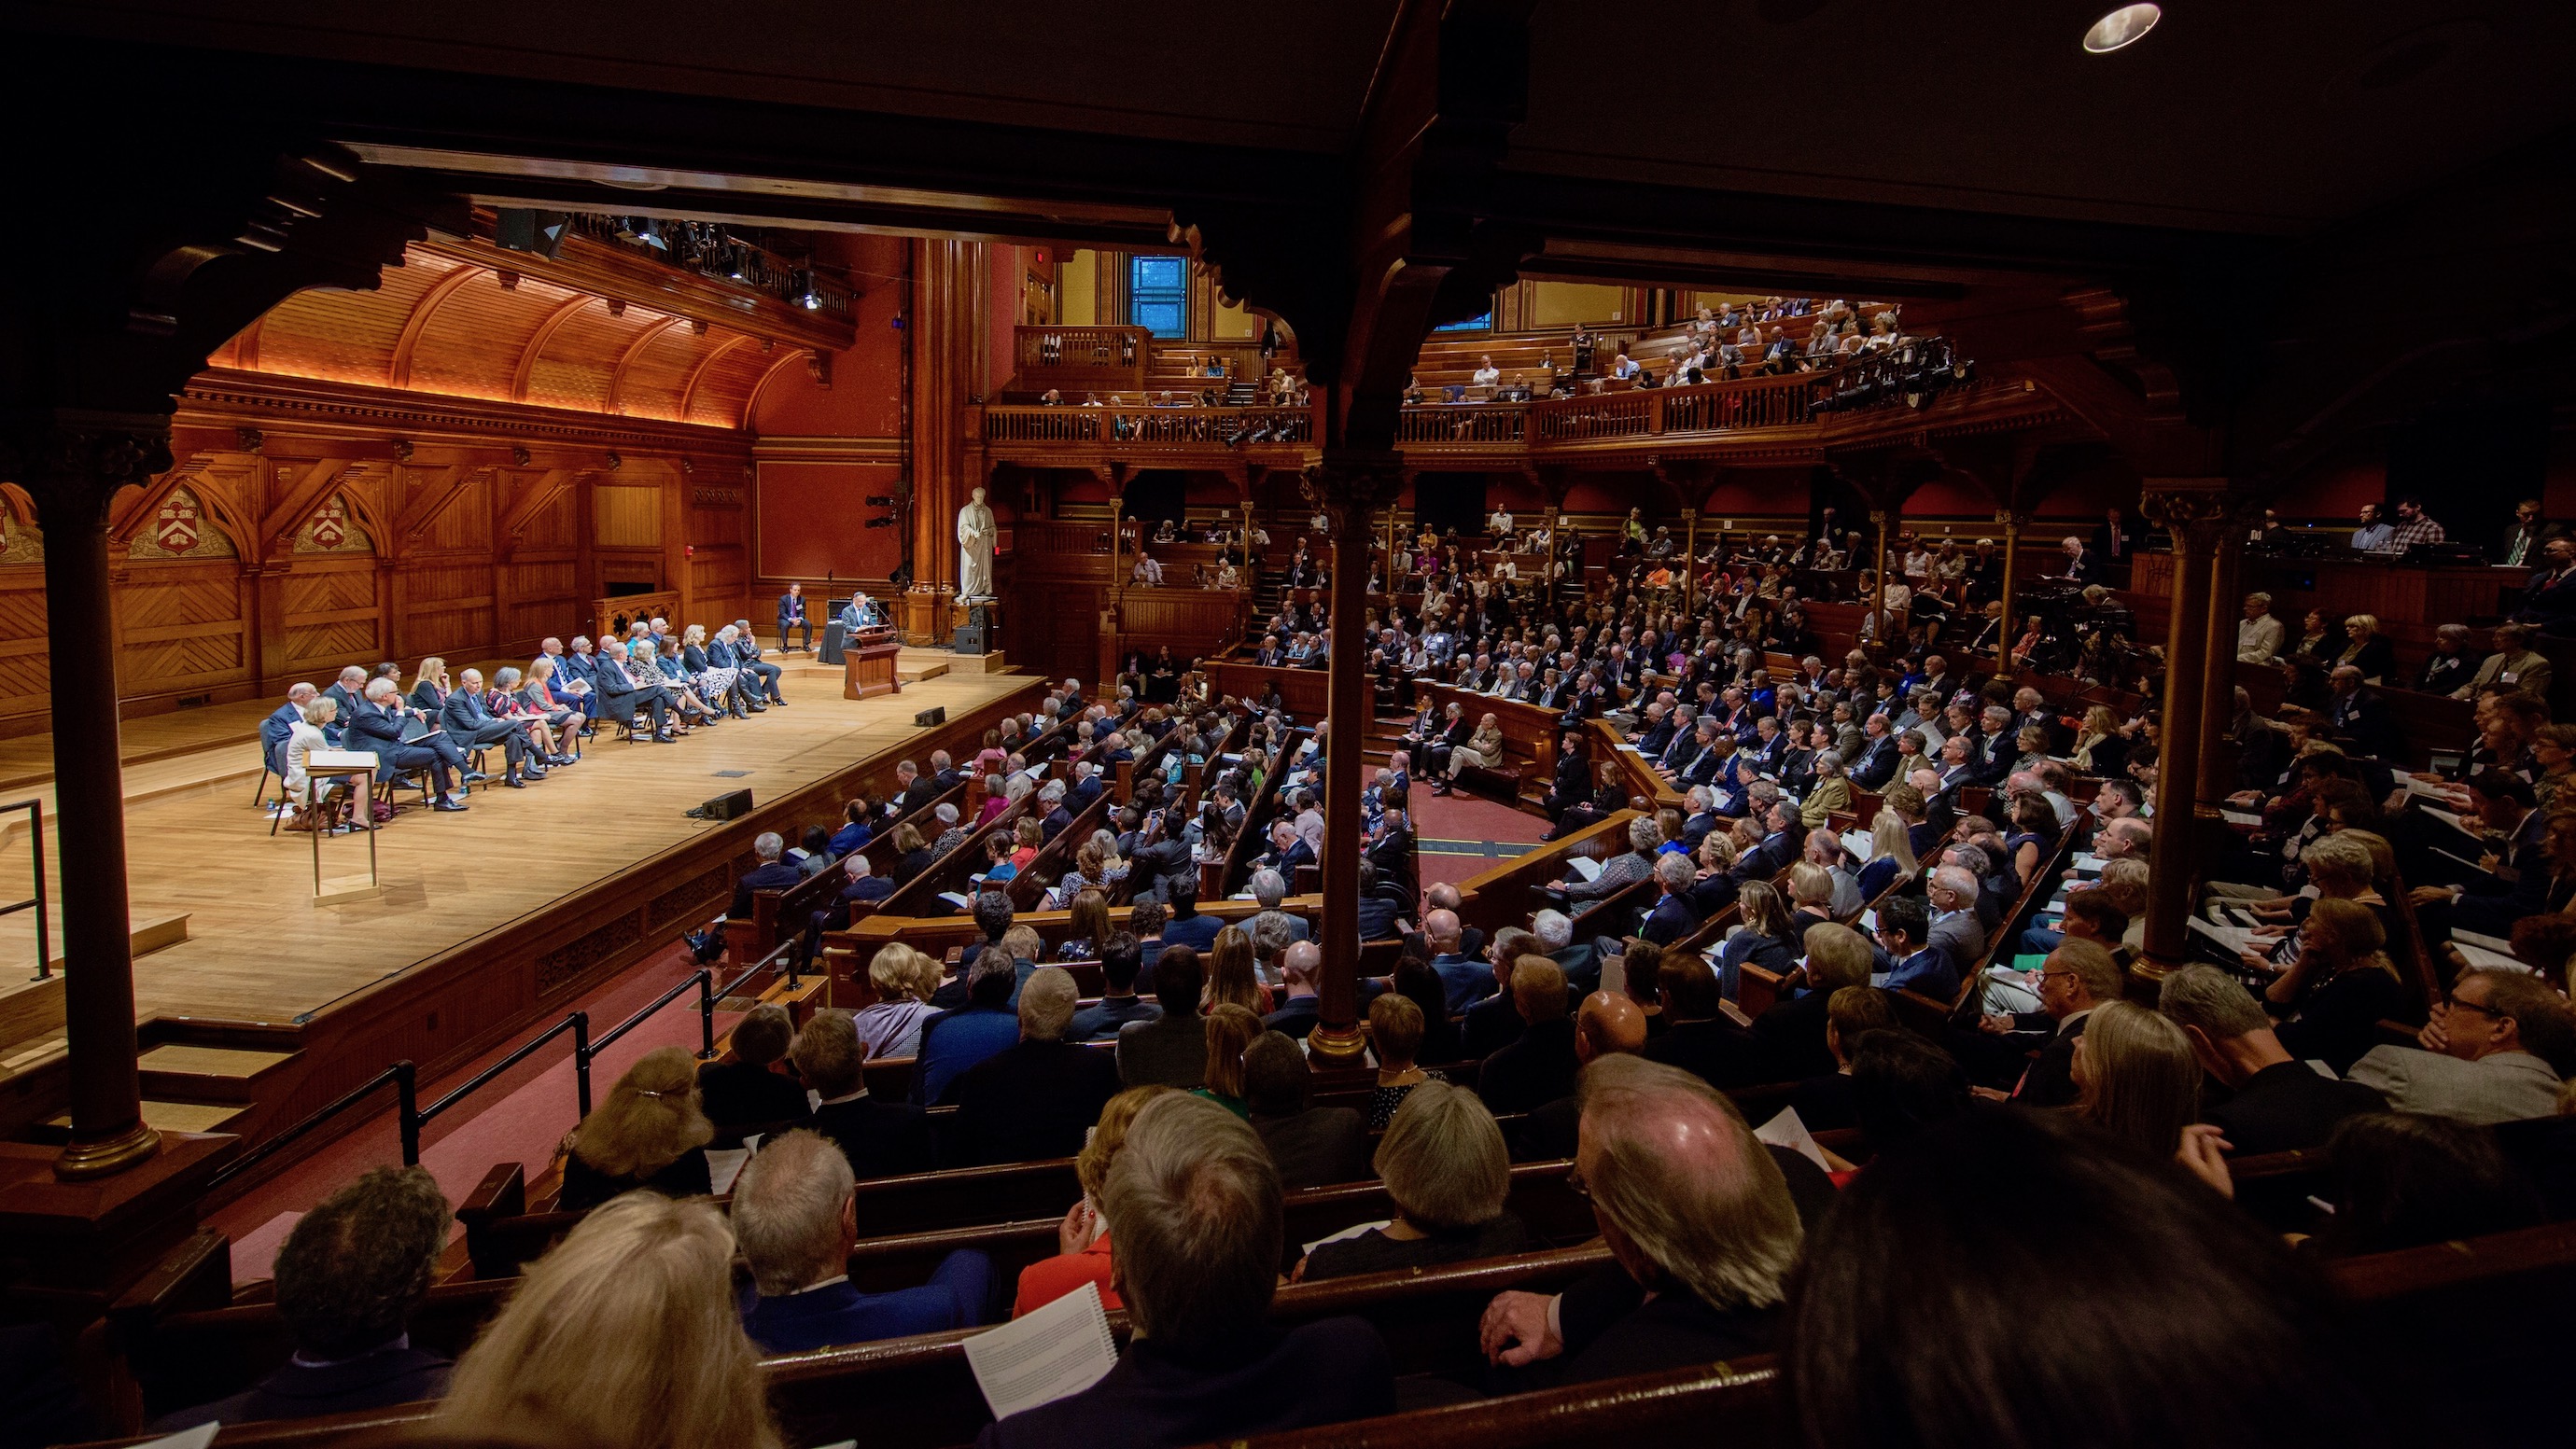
point(537, 343)
point(130, 519)
point(19, 505)
point(697, 374)
point(398, 373)
point(645, 336)
point(364, 510)
point(751, 399)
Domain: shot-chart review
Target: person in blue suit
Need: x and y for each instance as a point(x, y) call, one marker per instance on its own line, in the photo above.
point(796, 1216)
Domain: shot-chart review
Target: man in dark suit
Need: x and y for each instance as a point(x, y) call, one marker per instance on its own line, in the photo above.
point(2359, 715)
point(1057, 818)
point(350, 693)
point(1652, 1134)
point(1312, 1146)
point(1779, 848)
point(1301, 966)
point(1673, 917)
point(1495, 1022)
point(770, 874)
point(352, 1273)
point(879, 1138)
point(274, 729)
point(1442, 896)
point(2076, 977)
point(792, 617)
point(1038, 1098)
point(1195, 1197)
point(2081, 566)
point(1187, 925)
point(378, 728)
point(796, 1218)
point(746, 654)
point(1539, 1065)
point(1878, 755)
point(1086, 786)
point(1120, 963)
point(631, 697)
point(2279, 1104)
point(1700, 1039)
point(1792, 1032)
point(864, 887)
point(468, 720)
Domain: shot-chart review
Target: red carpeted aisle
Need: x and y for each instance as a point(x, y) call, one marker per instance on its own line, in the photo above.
point(1466, 835)
point(518, 1117)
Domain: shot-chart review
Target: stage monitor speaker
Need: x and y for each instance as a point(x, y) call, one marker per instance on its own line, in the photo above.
point(969, 640)
point(936, 716)
point(724, 807)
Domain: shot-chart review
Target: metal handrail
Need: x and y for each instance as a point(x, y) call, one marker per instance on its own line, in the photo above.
point(35, 842)
point(578, 1023)
point(400, 1074)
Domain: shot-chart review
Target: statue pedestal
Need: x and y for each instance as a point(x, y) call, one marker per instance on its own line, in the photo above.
point(926, 621)
point(970, 638)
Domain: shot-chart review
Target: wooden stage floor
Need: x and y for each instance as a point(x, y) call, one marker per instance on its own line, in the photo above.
point(260, 949)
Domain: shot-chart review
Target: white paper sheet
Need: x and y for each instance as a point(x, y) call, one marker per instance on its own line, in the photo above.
point(2240, 817)
point(1353, 1231)
point(196, 1438)
point(1586, 866)
point(1053, 1353)
point(1787, 1131)
point(724, 1165)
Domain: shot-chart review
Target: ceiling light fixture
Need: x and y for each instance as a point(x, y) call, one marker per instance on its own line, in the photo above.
point(2123, 27)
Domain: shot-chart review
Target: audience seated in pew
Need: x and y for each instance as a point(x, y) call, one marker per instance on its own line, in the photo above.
point(1085, 1252)
point(877, 1138)
point(650, 1134)
point(353, 1271)
point(744, 1093)
point(1036, 1097)
point(795, 1215)
point(1311, 1146)
point(1444, 1164)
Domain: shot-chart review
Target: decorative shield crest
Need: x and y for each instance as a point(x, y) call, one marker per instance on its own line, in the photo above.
point(176, 527)
point(331, 525)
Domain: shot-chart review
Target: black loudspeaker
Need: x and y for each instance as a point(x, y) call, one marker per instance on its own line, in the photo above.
point(969, 640)
point(725, 807)
point(934, 716)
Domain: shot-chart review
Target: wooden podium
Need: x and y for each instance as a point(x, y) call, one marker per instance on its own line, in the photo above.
point(867, 664)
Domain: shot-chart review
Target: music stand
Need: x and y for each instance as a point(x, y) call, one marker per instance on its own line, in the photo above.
point(357, 767)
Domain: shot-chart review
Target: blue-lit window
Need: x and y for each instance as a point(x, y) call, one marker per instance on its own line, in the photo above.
point(1158, 295)
point(1483, 323)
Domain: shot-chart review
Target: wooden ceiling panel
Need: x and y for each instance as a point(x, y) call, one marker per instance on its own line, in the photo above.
point(726, 385)
point(575, 366)
point(347, 336)
point(655, 376)
point(471, 345)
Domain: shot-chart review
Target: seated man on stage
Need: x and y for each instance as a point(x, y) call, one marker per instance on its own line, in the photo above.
point(625, 694)
point(378, 728)
point(791, 616)
point(470, 722)
point(746, 652)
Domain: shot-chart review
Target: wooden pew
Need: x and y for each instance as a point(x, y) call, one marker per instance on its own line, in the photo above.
point(1529, 739)
point(1252, 841)
point(1508, 893)
point(775, 914)
point(1055, 857)
point(1602, 742)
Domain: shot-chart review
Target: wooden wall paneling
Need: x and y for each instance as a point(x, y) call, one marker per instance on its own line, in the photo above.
point(447, 604)
point(331, 616)
point(26, 673)
point(182, 628)
point(541, 598)
point(626, 515)
point(673, 500)
point(1192, 622)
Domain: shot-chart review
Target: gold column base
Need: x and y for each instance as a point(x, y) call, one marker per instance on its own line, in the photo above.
point(83, 1161)
point(1327, 1047)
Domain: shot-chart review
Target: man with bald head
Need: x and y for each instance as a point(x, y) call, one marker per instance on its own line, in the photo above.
point(1442, 896)
point(1301, 966)
point(1463, 979)
point(1605, 1026)
point(1698, 1219)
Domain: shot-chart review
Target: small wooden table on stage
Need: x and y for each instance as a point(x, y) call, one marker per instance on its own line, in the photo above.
point(867, 664)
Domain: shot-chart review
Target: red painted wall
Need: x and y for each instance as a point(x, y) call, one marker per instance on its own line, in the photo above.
point(809, 513)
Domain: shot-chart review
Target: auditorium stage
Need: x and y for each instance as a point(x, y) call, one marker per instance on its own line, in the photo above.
point(498, 881)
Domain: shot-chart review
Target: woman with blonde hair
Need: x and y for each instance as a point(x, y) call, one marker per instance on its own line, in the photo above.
point(1767, 937)
point(1444, 1165)
point(2370, 651)
point(903, 979)
point(1231, 979)
point(650, 1133)
point(1082, 1239)
point(315, 809)
point(712, 680)
point(2339, 987)
point(430, 686)
point(1230, 1029)
point(2137, 1077)
point(626, 1333)
point(1891, 856)
point(2100, 748)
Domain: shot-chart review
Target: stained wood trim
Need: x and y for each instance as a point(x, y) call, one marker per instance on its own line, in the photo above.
point(752, 399)
point(398, 373)
point(430, 502)
point(643, 339)
point(689, 391)
point(537, 343)
point(311, 490)
point(138, 509)
point(532, 500)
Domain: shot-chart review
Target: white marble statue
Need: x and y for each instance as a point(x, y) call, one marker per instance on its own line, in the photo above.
point(975, 535)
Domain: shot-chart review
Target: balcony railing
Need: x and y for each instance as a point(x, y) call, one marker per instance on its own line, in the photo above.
point(1173, 427)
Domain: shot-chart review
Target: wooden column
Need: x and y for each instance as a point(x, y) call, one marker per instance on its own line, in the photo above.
point(2012, 523)
point(73, 463)
point(2217, 776)
point(1690, 547)
point(1878, 600)
point(1348, 487)
point(2192, 510)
